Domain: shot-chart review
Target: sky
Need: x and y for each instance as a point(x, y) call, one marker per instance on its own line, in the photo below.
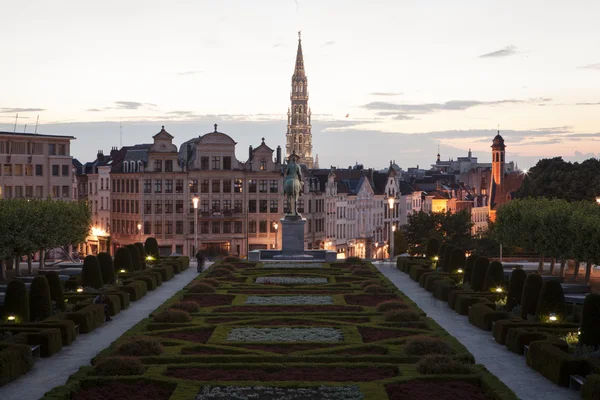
point(388, 80)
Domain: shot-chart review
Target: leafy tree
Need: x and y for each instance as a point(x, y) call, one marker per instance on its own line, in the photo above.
point(400, 243)
point(448, 227)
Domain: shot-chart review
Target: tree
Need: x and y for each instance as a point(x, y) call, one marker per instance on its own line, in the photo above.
point(400, 243)
point(448, 227)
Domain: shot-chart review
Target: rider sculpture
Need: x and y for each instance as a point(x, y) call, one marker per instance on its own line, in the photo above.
point(292, 186)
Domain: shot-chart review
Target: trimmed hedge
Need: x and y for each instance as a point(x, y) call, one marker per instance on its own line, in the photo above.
point(166, 271)
point(469, 266)
point(143, 254)
point(591, 387)
point(107, 268)
point(16, 301)
point(151, 246)
point(479, 273)
point(446, 259)
point(433, 246)
point(515, 288)
point(40, 302)
point(518, 338)
point(551, 301)
point(123, 260)
point(464, 301)
point(15, 360)
point(494, 276)
point(136, 289)
point(590, 321)
point(88, 318)
point(552, 360)
point(483, 314)
point(442, 288)
point(456, 261)
point(531, 293)
point(136, 263)
point(49, 339)
point(56, 290)
point(91, 275)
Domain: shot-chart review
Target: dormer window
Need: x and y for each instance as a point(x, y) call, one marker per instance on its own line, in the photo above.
point(263, 165)
point(125, 166)
point(157, 165)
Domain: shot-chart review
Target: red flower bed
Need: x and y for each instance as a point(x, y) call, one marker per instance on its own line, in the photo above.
point(304, 374)
point(222, 320)
point(139, 390)
point(418, 390)
point(291, 309)
point(210, 300)
point(210, 351)
point(283, 348)
point(305, 322)
point(196, 336)
point(283, 291)
point(243, 265)
point(362, 351)
point(369, 300)
point(229, 279)
point(375, 334)
point(348, 279)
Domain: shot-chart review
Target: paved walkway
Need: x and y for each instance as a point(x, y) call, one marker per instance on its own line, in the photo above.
point(509, 367)
point(48, 373)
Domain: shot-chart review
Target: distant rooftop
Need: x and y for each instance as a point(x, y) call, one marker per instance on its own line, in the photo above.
point(35, 134)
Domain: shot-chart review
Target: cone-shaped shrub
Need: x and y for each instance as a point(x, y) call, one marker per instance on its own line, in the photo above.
point(40, 302)
point(136, 264)
point(531, 293)
point(457, 260)
point(494, 276)
point(143, 255)
point(91, 275)
point(441, 250)
point(56, 290)
point(446, 260)
point(123, 260)
point(16, 301)
point(551, 301)
point(433, 246)
point(107, 268)
point(590, 321)
point(515, 288)
point(478, 274)
point(469, 266)
point(151, 247)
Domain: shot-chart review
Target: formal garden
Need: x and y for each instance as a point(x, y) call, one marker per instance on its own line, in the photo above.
point(287, 331)
point(41, 315)
point(524, 311)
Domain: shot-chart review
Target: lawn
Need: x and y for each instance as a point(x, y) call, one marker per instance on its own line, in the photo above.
point(286, 331)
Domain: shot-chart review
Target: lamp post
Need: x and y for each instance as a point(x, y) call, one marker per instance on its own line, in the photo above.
point(276, 225)
point(376, 245)
point(195, 200)
point(139, 226)
point(392, 243)
point(391, 207)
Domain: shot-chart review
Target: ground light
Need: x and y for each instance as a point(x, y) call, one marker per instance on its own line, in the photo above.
point(460, 271)
point(123, 271)
point(11, 318)
point(79, 289)
point(499, 290)
point(553, 317)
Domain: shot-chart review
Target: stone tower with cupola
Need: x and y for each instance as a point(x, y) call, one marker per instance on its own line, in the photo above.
point(299, 136)
point(498, 150)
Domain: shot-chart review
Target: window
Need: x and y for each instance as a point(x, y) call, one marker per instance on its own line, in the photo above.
point(251, 226)
point(263, 165)
point(7, 169)
point(169, 227)
point(216, 206)
point(274, 186)
point(179, 186)
point(204, 227)
point(204, 162)
point(237, 206)
point(252, 206)
point(55, 170)
point(227, 162)
point(216, 227)
point(204, 186)
point(272, 229)
point(158, 227)
point(62, 150)
point(51, 149)
point(137, 185)
point(309, 206)
point(126, 186)
point(227, 205)
point(158, 186)
point(237, 227)
point(274, 207)
point(252, 185)
point(157, 165)
point(204, 206)
point(178, 227)
point(39, 191)
point(193, 184)
point(158, 207)
point(18, 169)
point(263, 206)
point(147, 229)
point(65, 170)
point(168, 185)
point(238, 186)
point(66, 192)
point(216, 162)
point(39, 170)
point(28, 170)
point(216, 186)
point(192, 226)
point(262, 227)
point(18, 191)
point(168, 207)
point(226, 185)
point(263, 186)
point(147, 185)
point(168, 165)
point(300, 205)
point(226, 226)
point(179, 206)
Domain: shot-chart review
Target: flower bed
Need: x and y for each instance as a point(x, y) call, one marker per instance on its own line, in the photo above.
point(376, 334)
point(305, 265)
point(290, 309)
point(280, 393)
point(286, 280)
point(196, 336)
point(417, 390)
point(284, 348)
point(285, 335)
point(368, 299)
point(210, 300)
point(288, 300)
point(140, 390)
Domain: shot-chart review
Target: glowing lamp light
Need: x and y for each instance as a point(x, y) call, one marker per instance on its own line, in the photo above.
point(553, 317)
point(391, 202)
point(98, 232)
point(499, 290)
point(195, 200)
point(460, 271)
point(149, 258)
point(436, 258)
point(275, 225)
point(11, 318)
point(598, 199)
point(123, 271)
point(79, 289)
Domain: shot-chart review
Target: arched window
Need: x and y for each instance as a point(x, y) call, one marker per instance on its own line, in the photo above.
point(502, 155)
point(300, 109)
point(295, 87)
point(295, 109)
point(139, 166)
point(300, 139)
point(125, 166)
point(301, 86)
point(132, 166)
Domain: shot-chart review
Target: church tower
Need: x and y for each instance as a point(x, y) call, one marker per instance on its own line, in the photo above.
point(299, 136)
point(498, 160)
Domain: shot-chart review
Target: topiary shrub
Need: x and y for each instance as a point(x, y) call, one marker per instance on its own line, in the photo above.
point(377, 289)
point(107, 268)
point(16, 301)
point(551, 301)
point(40, 302)
point(230, 259)
point(143, 255)
point(446, 258)
point(531, 293)
point(590, 321)
point(140, 347)
point(399, 315)
point(208, 281)
point(422, 346)
point(441, 250)
point(171, 316)
point(120, 366)
point(443, 364)
point(187, 306)
point(515, 288)
point(56, 290)
point(136, 264)
point(123, 260)
point(479, 273)
point(433, 246)
point(91, 276)
point(220, 272)
point(201, 288)
point(226, 266)
point(151, 246)
point(353, 260)
point(469, 266)
point(494, 276)
point(391, 305)
point(456, 261)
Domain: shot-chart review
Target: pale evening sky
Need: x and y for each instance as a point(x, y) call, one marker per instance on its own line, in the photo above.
point(410, 74)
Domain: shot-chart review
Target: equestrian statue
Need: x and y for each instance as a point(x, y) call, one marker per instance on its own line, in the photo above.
point(292, 186)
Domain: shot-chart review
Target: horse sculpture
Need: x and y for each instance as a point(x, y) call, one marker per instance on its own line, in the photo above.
point(293, 185)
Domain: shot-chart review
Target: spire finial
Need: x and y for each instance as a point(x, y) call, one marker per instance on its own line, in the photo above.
point(498, 128)
point(215, 127)
point(299, 35)
point(263, 140)
point(163, 127)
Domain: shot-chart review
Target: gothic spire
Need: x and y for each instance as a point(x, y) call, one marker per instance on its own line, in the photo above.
point(299, 69)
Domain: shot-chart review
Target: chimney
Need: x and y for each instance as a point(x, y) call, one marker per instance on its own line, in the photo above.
point(278, 161)
point(100, 156)
point(113, 152)
point(250, 153)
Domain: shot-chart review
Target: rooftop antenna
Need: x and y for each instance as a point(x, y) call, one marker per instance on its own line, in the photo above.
point(121, 132)
point(16, 119)
point(36, 123)
point(25, 129)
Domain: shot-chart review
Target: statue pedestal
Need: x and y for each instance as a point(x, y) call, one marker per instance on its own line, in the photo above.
point(292, 239)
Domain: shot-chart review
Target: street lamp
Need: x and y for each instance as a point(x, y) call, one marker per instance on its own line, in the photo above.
point(276, 225)
point(376, 245)
point(195, 200)
point(392, 227)
point(139, 226)
point(598, 199)
point(392, 242)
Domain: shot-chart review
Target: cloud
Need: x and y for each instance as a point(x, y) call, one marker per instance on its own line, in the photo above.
point(588, 104)
point(590, 66)
point(386, 93)
point(95, 110)
point(277, 45)
point(505, 52)
point(188, 73)
point(132, 105)
point(329, 43)
point(18, 110)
